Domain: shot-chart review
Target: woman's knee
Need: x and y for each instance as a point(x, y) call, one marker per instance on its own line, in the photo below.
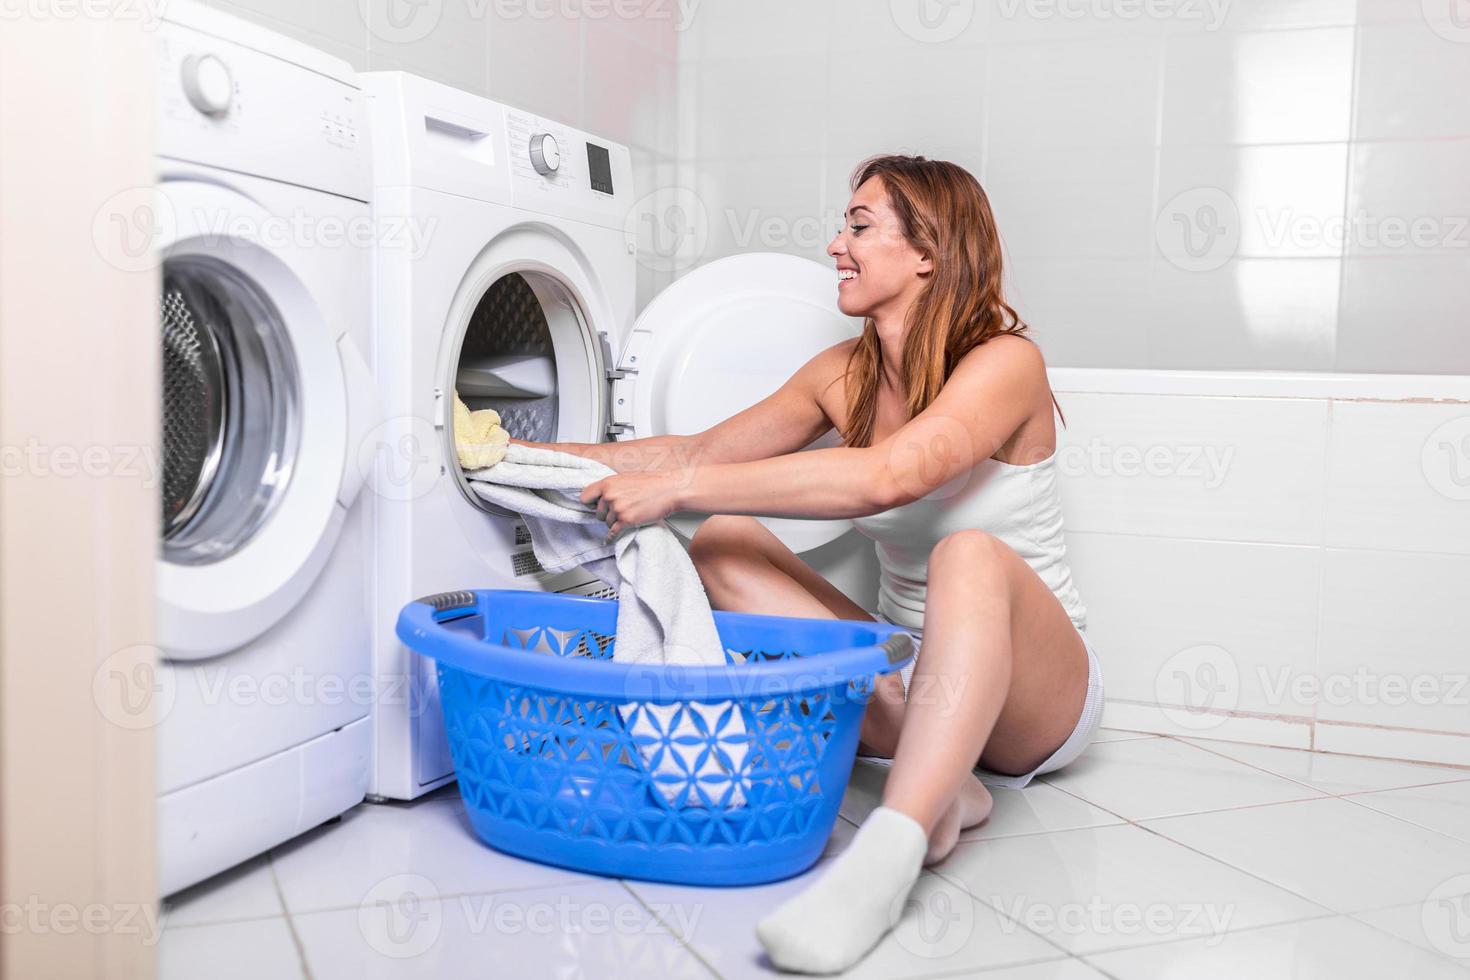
point(970, 550)
point(722, 535)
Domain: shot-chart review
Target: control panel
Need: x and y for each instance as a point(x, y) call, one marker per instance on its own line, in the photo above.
point(463, 144)
point(564, 170)
point(222, 103)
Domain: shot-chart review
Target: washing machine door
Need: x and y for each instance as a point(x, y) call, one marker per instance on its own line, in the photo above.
point(261, 399)
point(720, 339)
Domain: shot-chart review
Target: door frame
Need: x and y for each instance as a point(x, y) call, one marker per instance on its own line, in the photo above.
point(79, 511)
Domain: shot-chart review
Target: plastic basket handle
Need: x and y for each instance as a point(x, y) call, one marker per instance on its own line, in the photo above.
point(899, 647)
point(448, 602)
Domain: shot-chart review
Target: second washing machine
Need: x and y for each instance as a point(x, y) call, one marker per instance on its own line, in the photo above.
point(513, 281)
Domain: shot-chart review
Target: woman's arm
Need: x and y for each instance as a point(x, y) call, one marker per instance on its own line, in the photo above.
point(982, 404)
point(820, 483)
point(783, 422)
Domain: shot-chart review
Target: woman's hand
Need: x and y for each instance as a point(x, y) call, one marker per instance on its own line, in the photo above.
point(637, 498)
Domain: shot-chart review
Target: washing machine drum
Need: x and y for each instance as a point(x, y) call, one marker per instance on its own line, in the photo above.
point(230, 427)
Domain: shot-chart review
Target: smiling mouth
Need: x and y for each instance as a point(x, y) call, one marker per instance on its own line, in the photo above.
point(845, 275)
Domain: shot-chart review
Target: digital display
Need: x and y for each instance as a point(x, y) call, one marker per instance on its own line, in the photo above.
point(599, 166)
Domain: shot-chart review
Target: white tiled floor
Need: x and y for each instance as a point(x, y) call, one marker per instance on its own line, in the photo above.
point(1149, 857)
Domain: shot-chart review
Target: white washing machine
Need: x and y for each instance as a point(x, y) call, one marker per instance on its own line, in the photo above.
point(518, 289)
point(264, 692)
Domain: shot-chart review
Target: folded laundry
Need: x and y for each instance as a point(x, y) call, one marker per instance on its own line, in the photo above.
point(664, 614)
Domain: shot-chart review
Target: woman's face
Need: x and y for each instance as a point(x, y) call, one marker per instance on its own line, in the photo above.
point(879, 271)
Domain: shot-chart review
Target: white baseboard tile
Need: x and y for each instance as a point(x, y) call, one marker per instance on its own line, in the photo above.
point(1391, 743)
point(1285, 732)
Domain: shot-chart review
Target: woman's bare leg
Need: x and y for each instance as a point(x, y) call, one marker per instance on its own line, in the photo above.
point(1005, 673)
point(746, 568)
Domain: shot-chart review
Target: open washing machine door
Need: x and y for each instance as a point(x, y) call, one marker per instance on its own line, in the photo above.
point(720, 339)
point(262, 399)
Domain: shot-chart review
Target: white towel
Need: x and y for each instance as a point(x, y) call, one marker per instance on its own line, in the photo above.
point(663, 613)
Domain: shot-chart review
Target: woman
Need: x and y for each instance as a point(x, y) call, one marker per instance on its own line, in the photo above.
point(948, 462)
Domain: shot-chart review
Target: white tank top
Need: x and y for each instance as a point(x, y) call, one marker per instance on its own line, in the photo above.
point(1020, 505)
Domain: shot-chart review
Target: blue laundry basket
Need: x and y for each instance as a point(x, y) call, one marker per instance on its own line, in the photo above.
point(551, 766)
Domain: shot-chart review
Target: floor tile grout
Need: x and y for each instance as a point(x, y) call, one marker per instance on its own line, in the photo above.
point(1436, 952)
point(685, 942)
point(1217, 860)
point(1299, 782)
point(290, 922)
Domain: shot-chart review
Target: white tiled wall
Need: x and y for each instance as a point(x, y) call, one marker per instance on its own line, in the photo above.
point(1288, 570)
point(1104, 132)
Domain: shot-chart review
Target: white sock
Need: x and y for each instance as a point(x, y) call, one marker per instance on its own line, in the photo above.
point(855, 901)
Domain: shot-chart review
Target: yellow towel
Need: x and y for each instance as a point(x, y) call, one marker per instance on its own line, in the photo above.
point(479, 441)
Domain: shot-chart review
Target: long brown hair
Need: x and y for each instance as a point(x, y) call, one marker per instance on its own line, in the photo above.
point(944, 214)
